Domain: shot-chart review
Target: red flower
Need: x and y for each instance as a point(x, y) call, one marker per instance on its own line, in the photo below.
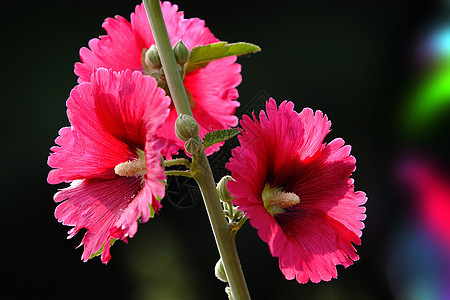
point(111, 157)
point(213, 88)
point(296, 191)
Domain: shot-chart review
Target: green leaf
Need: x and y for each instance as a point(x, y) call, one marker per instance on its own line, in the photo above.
point(152, 211)
point(101, 249)
point(203, 55)
point(218, 136)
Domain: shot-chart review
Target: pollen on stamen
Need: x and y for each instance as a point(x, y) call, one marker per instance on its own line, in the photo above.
point(276, 201)
point(131, 168)
point(283, 199)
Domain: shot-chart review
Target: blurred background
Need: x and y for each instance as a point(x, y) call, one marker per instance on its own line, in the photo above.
point(379, 70)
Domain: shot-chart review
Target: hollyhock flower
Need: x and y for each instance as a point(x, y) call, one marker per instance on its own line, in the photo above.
point(213, 88)
point(296, 191)
point(111, 157)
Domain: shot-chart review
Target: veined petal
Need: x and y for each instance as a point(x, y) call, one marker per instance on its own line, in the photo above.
point(119, 50)
point(85, 150)
point(110, 119)
point(97, 205)
point(213, 89)
point(114, 120)
point(138, 106)
point(285, 150)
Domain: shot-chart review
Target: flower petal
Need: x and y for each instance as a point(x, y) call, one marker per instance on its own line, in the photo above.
point(119, 50)
point(85, 150)
point(312, 244)
point(285, 150)
point(110, 118)
point(97, 205)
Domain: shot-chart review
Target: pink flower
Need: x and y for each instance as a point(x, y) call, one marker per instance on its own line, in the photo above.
point(213, 88)
point(111, 157)
point(430, 188)
point(296, 191)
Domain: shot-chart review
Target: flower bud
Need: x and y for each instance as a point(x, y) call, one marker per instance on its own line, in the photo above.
point(220, 271)
point(186, 127)
point(152, 58)
point(222, 190)
point(181, 52)
point(193, 146)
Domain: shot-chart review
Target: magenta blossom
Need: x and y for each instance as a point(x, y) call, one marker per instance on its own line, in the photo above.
point(213, 88)
point(296, 191)
point(111, 157)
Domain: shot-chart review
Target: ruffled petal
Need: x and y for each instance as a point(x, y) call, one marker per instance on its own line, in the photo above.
point(315, 127)
point(312, 244)
point(85, 150)
point(192, 31)
point(322, 182)
point(285, 150)
point(214, 92)
point(150, 194)
point(110, 118)
point(97, 205)
point(265, 148)
point(137, 106)
point(119, 50)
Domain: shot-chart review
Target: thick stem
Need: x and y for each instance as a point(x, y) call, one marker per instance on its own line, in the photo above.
point(225, 242)
point(168, 61)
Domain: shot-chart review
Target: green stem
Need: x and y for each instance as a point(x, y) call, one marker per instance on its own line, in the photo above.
point(179, 173)
point(224, 239)
point(178, 161)
point(168, 61)
point(204, 177)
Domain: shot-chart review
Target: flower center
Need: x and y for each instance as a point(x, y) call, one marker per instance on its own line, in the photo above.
point(276, 201)
point(131, 168)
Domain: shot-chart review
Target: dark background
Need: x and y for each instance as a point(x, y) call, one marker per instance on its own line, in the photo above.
point(351, 59)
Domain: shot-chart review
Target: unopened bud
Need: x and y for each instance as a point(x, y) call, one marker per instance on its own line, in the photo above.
point(193, 146)
point(152, 58)
point(219, 270)
point(186, 127)
point(181, 52)
point(222, 190)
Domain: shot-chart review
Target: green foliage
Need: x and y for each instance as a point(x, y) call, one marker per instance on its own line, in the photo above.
point(218, 136)
point(201, 56)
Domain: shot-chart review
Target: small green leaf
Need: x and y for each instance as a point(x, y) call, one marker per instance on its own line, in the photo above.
point(218, 136)
point(101, 249)
point(203, 55)
point(158, 198)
